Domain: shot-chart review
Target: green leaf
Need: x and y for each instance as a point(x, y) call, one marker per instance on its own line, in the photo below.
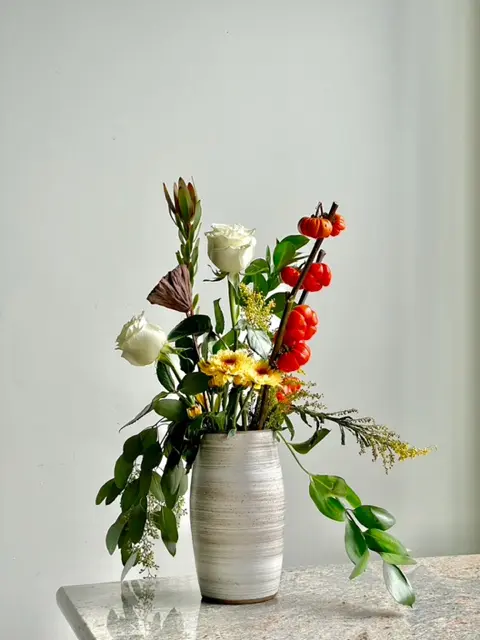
point(374, 517)
point(165, 377)
point(194, 383)
point(257, 266)
point(195, 325)
point(398, 585)
point(260, 284)
point(290, 427)
point(113, 493)
point(187, 351)
point(393, 558)
point(130, 495)
point(156, 487)
point(378, 540)
point(259, 342)
point(226, 342)
point(283, 254)
point(148, 436)
point(298, 241)
point(355, 544)
point(136, 523)
point(219, 317)
point(140, 415)
point(361, 565)
point(171, 409)
point(113, 534)
point(144, 483)
point(132, 448)
point(305, 447)
point(280, 300)
point(130, 562)
point(123, 469)
point(165, 521)
point(336, 486)
point(273, 281)
point(152, 457)
point(268, 256)
point(104, 491)
point(220, 419)
point(330, 507)
point(173, 484)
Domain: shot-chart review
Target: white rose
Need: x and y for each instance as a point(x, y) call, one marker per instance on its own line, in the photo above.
point(141, 342)
point(230, 247)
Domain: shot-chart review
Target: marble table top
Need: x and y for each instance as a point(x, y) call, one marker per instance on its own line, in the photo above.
point(313, 604)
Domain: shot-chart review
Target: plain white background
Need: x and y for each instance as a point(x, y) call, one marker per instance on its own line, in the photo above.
point(270, 106)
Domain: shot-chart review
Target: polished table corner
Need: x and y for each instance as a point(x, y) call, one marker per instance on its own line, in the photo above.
point(313, 604)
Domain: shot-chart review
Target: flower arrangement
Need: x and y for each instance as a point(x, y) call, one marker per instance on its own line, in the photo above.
point(247, 376)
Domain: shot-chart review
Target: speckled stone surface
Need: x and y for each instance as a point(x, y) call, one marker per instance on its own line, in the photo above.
point(313, 604)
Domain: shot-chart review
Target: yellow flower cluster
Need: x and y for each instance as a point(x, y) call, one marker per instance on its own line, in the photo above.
point(239, 368)
point(258, 313)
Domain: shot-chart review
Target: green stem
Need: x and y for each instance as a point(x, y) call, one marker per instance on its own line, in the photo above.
point(293, 454)
point(233, 280)
point(243, 407)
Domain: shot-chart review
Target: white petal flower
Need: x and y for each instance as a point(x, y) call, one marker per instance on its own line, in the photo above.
point(230, 247)
point(140, 341)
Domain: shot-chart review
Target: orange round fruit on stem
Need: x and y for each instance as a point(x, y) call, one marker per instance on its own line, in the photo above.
point(290, 276)
point(338, 225)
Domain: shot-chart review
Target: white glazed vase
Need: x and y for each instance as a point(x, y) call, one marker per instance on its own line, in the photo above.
point(237, 508)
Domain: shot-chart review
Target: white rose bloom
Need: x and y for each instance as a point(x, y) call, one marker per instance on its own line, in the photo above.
point(141, 342)
point(230, 247)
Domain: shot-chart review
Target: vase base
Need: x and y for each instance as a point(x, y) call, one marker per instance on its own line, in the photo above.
point(209, 600)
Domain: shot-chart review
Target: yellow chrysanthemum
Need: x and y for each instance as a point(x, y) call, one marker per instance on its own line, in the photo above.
point(233, 362)
point(263, 375)
point(220, 380)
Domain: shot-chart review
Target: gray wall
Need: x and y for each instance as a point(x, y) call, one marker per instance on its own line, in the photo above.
point(270, 106)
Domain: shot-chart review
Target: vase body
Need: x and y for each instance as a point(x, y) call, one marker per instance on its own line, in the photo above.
point(237, 508)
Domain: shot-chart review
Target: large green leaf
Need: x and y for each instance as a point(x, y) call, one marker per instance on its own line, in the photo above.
point(195, 325)
point(165, 377)
point(148, 436)
point(259, 342)
point(283, 254)
point(172, 483)
point(171, 409)
point(113, 533)
point(280, 299)
point(393, 558)
point(260, 284)
point(305, 447)
point(132, 448)
point(336, 486)
point(152, 456)
point(374, 517)
point(144, 483)
point(257, 266)
point(113, 493)
point(298, 241)
point(355, 544)
point(226, 342)
point(330, 506)
point(104, 491)
point(378, 540)
point(219, 317)
point(129, 495)
point(129, 563)
point(398, 585)
point(360, 566)
point(156, 487)
point(123, 469)
point(165, 521)
point(194, 383)
point(136, 523)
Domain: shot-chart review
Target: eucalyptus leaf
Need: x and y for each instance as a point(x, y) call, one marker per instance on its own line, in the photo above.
point(171, 409)
point(165, 377)
point(136, 523)
point(132, 448)
point(143, 412)
point(305, 447)
point(219, 317)
point(144, 483)
point(381, 541)
point(113, 493)
point(398, 585)
point(360, 566)
point(355, 544)
point(156, 487)
point(152, 456)
point(194, 383)
point(148, 436)
point(123, 469)
point(104, 491)
point(171, 481)
point(392, 558)
point(129, 564)
point(195, 325)
point(259, 342)
point(129, 495)
point(374, 517)
point(113, 533)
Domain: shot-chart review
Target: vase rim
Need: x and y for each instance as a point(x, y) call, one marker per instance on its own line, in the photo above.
point(239, 433)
